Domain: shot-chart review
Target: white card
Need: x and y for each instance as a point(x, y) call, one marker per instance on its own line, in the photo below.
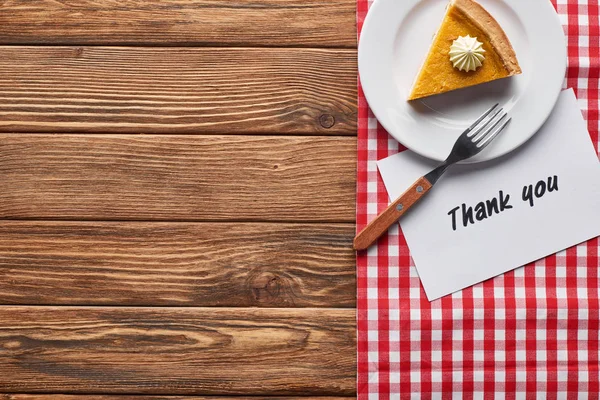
point(565, 212)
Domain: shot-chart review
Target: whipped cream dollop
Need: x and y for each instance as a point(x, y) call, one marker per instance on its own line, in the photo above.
point(466, 53)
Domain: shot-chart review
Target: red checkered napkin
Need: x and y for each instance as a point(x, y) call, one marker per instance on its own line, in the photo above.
point(530, 333)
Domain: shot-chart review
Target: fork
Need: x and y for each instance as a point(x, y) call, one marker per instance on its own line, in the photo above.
point(476, 138)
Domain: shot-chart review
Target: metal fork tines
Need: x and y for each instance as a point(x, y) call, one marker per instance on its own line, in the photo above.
point(476, 138)
point(480, 134)
point(486, 131)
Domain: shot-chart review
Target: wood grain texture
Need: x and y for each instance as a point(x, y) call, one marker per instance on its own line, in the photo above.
point(188, 178)
point(154, 397)
point(313, 23)
point(166, 264)
point(177, 90)
point(177, 351)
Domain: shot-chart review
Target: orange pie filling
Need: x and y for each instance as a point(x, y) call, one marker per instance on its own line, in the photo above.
point(438, 75)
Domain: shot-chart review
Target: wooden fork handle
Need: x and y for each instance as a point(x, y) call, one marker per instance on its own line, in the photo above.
point(397, 209)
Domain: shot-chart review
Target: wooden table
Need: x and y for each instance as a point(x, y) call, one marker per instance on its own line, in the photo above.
point(177, 195)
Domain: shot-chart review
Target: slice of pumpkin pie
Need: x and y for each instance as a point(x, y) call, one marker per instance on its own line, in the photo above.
point(469, 49)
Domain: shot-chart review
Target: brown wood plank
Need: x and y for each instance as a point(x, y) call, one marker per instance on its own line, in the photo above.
point(154, 397)
point(177, 90)
point(188, 178)
point(177, 351)
point(234, 265)
point(180, 22)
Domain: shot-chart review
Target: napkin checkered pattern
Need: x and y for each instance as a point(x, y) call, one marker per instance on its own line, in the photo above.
point(530, 333)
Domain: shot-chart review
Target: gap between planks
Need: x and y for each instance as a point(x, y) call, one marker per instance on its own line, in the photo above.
point(216, 46)
point(134, 396)
point(192, 221)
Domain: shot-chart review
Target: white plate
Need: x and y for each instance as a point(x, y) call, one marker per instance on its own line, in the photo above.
point(395, 39)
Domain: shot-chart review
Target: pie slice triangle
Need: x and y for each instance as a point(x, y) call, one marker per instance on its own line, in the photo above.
point(465, 17)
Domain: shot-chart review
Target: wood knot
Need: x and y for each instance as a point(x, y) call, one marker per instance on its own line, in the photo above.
point(327, 121)
point(266, 287)
point(77, 52)
point(13, 344)
point(273, 286)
